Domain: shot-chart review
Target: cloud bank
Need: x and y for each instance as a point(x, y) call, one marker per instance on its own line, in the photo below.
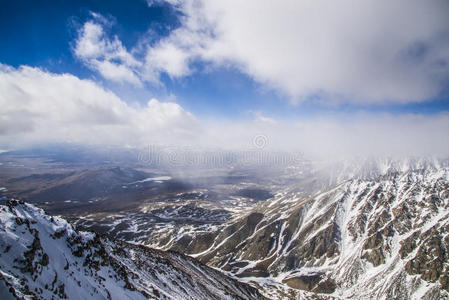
point(39, 107)
point(344, 51)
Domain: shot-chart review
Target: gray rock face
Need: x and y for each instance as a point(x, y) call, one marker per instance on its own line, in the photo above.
point(43, 257)
point(385, 235)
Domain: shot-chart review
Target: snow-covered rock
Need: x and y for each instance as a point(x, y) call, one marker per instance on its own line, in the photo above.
point(383, 233)
point(44, 257)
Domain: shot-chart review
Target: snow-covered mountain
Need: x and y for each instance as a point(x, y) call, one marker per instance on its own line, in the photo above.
point(44, 257)
point(353, 229)
point(382, 234)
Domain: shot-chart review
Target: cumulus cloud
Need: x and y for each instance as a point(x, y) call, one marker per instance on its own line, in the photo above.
point(335, 51)
point(364, 52)
point(38, 106)
point(107, 56)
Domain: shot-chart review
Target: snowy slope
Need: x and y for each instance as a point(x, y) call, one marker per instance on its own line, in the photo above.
point(44, 257)
point(382, 234)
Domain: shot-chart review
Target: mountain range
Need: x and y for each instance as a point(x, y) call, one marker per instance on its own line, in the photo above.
point(353, 229)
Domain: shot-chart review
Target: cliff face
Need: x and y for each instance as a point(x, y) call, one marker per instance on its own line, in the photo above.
point(383, 236)
point(44, 257)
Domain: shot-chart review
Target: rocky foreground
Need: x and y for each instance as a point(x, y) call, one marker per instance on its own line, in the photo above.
point(44, 257)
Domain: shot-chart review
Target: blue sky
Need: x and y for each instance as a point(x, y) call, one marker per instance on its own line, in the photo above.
point(265, 66)
point(42, 34)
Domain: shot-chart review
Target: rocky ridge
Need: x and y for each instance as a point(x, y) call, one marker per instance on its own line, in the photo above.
point(44, 257)
point(382, 234)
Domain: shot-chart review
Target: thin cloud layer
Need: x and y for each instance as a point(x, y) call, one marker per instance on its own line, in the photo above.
point(346, 51)
point(39, 107)
point(332, 137)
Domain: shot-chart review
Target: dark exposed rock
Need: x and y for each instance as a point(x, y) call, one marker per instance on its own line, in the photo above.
point(304, 282)
point(45, 259)
point(59, 234)
point(326, 286)
point(374, 241)
point(409, 244)
point(431, 260)
point(375, 256)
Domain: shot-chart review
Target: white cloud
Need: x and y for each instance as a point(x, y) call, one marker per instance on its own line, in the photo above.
point(361, 135)
point(337, 51)
point(171, 55)
point(116, 72)
point(260, 118)
point(361, 51)
point(38, 106)
point(168, 58)
point(90, 44)
point(109, 57)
